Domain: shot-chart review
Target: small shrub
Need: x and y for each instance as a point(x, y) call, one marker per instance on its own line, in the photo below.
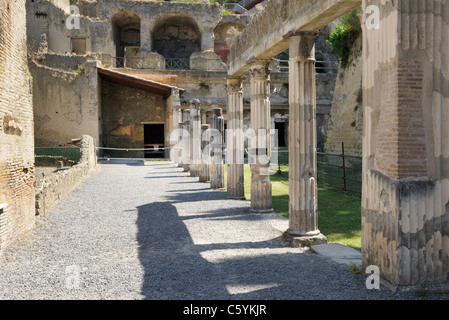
point(344, 36)
point(204, 86)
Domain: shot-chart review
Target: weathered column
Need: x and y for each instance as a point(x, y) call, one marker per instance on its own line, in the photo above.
point(235, 153)
point(204, 173)
point(195, 137)
point(175, 135)
point(303, 222)
point(405, 192)
point(186, 159)
point(171, 125)
point(259, 150)
point(179, 150)
point(216, 166)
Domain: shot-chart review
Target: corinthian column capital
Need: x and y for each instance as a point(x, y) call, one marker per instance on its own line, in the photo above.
point(259, 69)
point(234, 85)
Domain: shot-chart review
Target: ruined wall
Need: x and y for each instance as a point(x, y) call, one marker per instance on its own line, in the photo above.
point(125, 110)
point(346, 115)
point(206, 16)
point(58, 185)
point(66, 101)
point(16, 125)
point(405, 201)
point(51, 19)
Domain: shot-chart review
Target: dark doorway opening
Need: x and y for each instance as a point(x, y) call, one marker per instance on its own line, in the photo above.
point(280, 127)
point(154, 140)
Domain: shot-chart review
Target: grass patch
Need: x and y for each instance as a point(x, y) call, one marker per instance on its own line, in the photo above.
point(339, 213)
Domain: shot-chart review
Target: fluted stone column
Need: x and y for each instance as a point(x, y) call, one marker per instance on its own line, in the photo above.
point(195, 137)
point(175, 135)
point(235, 139)
point(259, 150)
point(216, 166)
point(204, 173)
point(171, 126)
point(303, 222)
point(186, 159)
point(179, 151)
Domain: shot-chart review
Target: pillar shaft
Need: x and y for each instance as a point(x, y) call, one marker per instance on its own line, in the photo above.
point(261, 201)
point(302, 134)
point(235, 139)
point(186, 159)
point(195, 137)
point(216, 166)
point(405, 189)
point(179, 150)
point(204, 173)
point(175, 135)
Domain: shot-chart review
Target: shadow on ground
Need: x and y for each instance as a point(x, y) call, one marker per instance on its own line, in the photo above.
point(178, 269)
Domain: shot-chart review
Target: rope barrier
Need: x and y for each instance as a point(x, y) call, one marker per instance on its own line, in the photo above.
point(138, 149)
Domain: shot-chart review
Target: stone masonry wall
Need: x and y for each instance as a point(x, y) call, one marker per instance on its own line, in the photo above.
point(59, 185)
point(16, 125)
point(66, 102)
point(346, 117)
point(125, 110)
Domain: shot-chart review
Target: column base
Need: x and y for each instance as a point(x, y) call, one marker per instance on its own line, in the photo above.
point(301, 241)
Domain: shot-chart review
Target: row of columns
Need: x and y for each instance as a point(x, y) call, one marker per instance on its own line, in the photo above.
point(405, 197)
point(198, 146)
point(303, 226)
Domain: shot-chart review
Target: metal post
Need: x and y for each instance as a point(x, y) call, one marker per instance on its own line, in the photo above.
point(344, 165)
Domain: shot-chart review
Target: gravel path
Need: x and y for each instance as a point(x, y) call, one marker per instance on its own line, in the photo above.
point(151, 232)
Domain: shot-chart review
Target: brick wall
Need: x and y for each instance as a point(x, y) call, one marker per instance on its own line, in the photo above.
point(16, 125)
point(222, 50)
point(401, 146)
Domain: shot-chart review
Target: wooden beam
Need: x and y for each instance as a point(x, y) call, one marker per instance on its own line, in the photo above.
point(137, 82)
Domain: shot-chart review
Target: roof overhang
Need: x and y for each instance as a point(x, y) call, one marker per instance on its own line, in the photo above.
point(136, 82)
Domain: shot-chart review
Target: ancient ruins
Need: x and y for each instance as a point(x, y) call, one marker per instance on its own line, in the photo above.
point(137, 74)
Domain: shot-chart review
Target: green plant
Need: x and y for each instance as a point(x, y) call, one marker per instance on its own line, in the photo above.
point(344, 36)
point(360, 96)
point(204, 86)
point(422, 292)
point(354, 269)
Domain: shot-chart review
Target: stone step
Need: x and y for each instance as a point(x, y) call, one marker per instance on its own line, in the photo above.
point(339, 253)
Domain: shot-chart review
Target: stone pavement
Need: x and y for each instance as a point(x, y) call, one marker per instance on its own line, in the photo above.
point(134, 231)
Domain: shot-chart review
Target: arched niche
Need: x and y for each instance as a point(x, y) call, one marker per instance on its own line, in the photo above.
point(126, 32)
point(176, 35)
point(222, 33)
